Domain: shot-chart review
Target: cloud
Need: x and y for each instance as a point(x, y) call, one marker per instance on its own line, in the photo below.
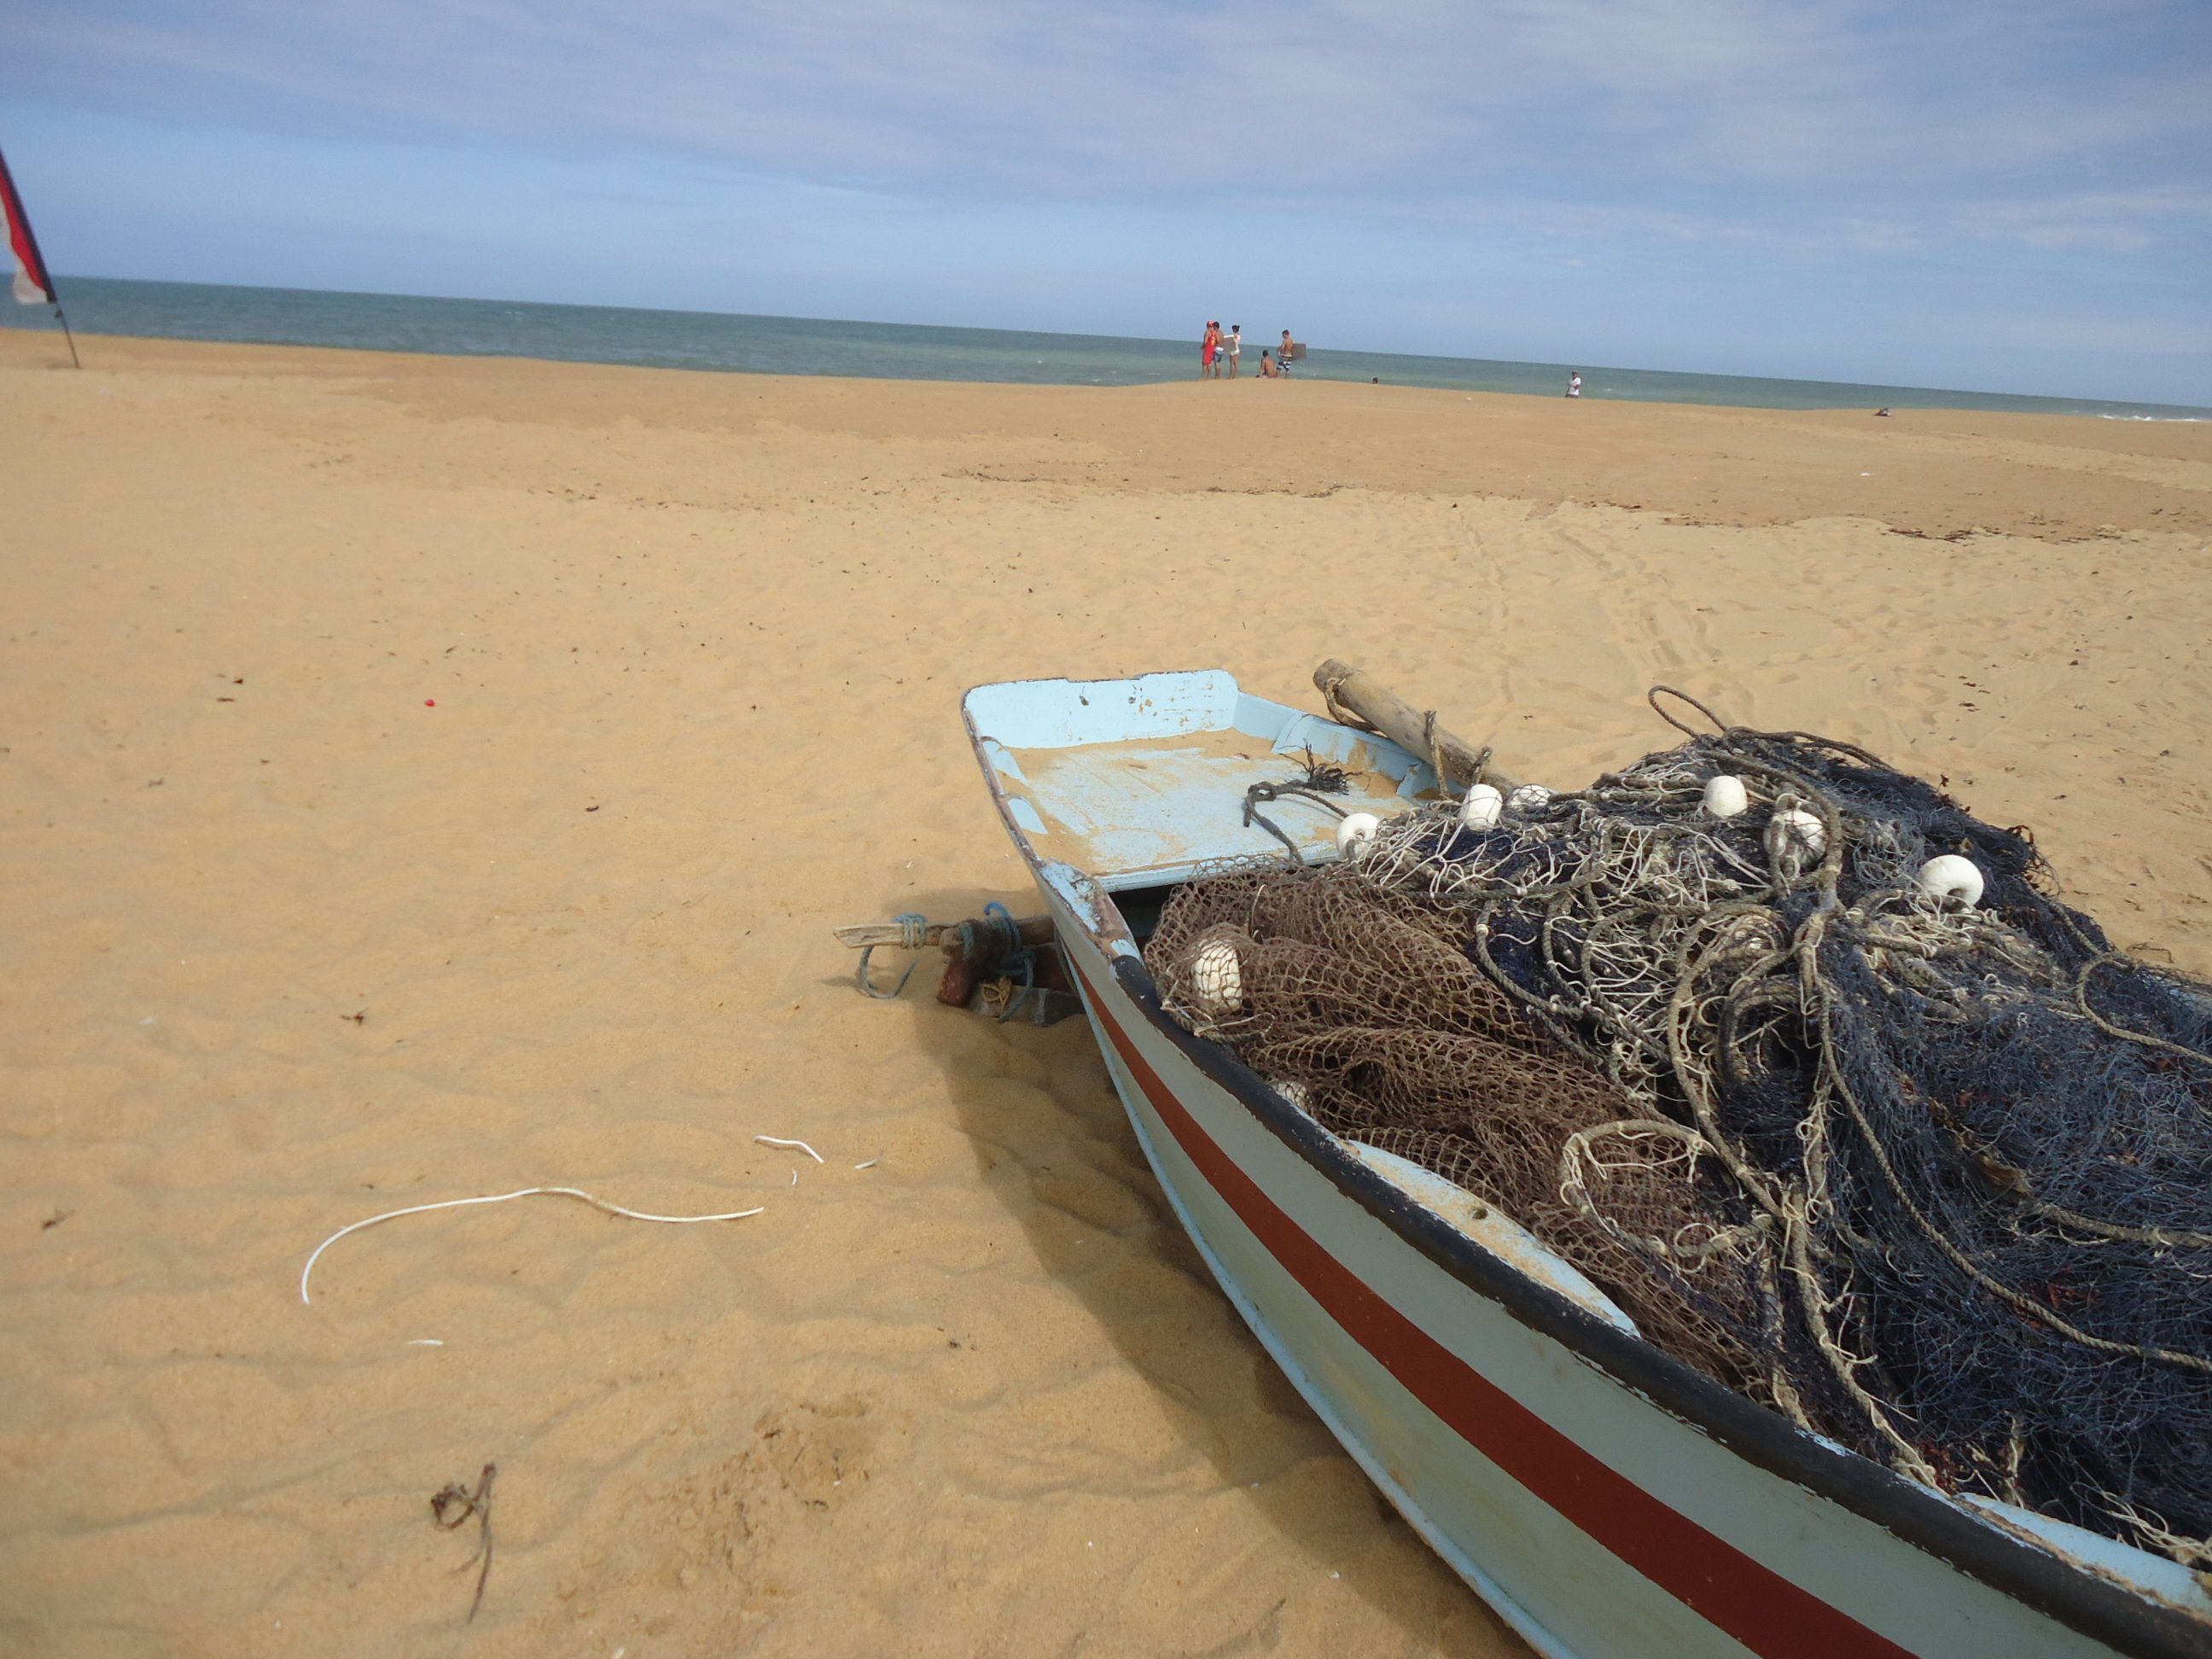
point(1155, 100)
point(2117, 221)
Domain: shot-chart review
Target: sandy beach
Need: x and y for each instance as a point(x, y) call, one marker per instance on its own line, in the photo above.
point(431, 777)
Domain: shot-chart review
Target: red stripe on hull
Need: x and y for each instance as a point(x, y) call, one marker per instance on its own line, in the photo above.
point(1760, 1608)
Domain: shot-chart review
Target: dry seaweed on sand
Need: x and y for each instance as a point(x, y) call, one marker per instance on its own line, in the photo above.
point(1933, 1179)
point(451, 1507)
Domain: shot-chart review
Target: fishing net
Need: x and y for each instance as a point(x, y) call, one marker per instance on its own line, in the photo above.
point(1932, 1177)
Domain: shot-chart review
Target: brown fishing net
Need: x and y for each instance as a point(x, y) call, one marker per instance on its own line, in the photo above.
point(1363, 1007)
point(1933, 1177)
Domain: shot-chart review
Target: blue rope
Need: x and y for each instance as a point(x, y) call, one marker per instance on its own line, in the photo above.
point(911, 938)
point(1013, 955)
point(997, 937)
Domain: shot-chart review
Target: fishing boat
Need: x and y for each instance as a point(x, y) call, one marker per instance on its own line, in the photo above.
point(1606, 1500)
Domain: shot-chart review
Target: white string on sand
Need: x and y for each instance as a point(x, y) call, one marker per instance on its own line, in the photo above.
point(870, 1163)
point(600, 1204)
point(772, 1140)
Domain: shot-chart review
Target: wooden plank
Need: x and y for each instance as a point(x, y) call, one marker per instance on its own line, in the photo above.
point(1383, 711)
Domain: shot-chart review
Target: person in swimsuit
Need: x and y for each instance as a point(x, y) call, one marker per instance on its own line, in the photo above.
point(1208, 349)
point(1283, 356)
point(1236, 343)
point(1266, 366)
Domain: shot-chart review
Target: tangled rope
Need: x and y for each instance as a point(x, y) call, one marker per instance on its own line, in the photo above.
point(997, 938)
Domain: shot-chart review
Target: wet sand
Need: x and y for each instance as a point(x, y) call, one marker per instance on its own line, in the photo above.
point(431, 777)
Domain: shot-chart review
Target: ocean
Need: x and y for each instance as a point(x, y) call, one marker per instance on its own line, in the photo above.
point(731, 343)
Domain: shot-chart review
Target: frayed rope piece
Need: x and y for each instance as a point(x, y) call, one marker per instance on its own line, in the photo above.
point(598, 1204)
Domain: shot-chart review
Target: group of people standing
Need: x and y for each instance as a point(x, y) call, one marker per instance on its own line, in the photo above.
point(1217, 348)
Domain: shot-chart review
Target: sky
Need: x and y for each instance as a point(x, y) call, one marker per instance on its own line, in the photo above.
point(1990, 195)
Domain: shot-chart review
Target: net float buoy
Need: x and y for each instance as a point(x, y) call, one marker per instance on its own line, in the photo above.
point(1726, 797)
point(1529, 797)
point(1793, 826)
point(1355, 832)
point(1481, 806)
point(1951, 877)
point(1218, 978)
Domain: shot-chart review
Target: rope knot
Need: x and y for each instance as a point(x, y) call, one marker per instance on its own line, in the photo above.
point(912, 935)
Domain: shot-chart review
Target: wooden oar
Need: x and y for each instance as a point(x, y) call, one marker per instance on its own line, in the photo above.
point(1354, 692)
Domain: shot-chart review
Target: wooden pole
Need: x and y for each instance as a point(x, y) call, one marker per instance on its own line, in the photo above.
point(1354, 692)
point(1035, 930)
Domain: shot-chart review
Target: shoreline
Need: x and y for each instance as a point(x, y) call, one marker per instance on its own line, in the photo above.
point(644, 336)
point(1936, 474)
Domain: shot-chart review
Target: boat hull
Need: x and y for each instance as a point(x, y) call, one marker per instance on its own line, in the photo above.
point(1593, 1520)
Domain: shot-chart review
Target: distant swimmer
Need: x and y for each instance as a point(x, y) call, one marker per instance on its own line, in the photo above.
point(1575, 384)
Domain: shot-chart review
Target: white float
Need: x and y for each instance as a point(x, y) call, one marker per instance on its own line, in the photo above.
point(1218, 978)
point(1481, 807)
point(1796, 826)
point(1726, 797)
point(1947, 876)
point(1355, 832)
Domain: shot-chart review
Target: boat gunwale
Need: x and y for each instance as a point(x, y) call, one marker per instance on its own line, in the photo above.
point(2038, 1576)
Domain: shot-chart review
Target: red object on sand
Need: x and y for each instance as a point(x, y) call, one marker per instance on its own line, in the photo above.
point(429, 702)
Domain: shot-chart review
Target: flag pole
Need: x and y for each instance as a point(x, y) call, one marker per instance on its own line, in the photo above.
point(77, 362)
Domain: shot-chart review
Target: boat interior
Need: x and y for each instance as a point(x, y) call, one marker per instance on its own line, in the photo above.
point(1143, 783)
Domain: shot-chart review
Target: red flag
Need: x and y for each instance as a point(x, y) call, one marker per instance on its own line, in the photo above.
point(33, 285)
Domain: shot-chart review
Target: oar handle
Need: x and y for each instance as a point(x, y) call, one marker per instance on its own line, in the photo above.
point(1035, 930)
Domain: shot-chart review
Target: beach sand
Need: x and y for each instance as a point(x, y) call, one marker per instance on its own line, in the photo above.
point(427, 778)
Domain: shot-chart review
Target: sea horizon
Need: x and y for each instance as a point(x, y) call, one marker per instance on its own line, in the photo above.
point(744, 342)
